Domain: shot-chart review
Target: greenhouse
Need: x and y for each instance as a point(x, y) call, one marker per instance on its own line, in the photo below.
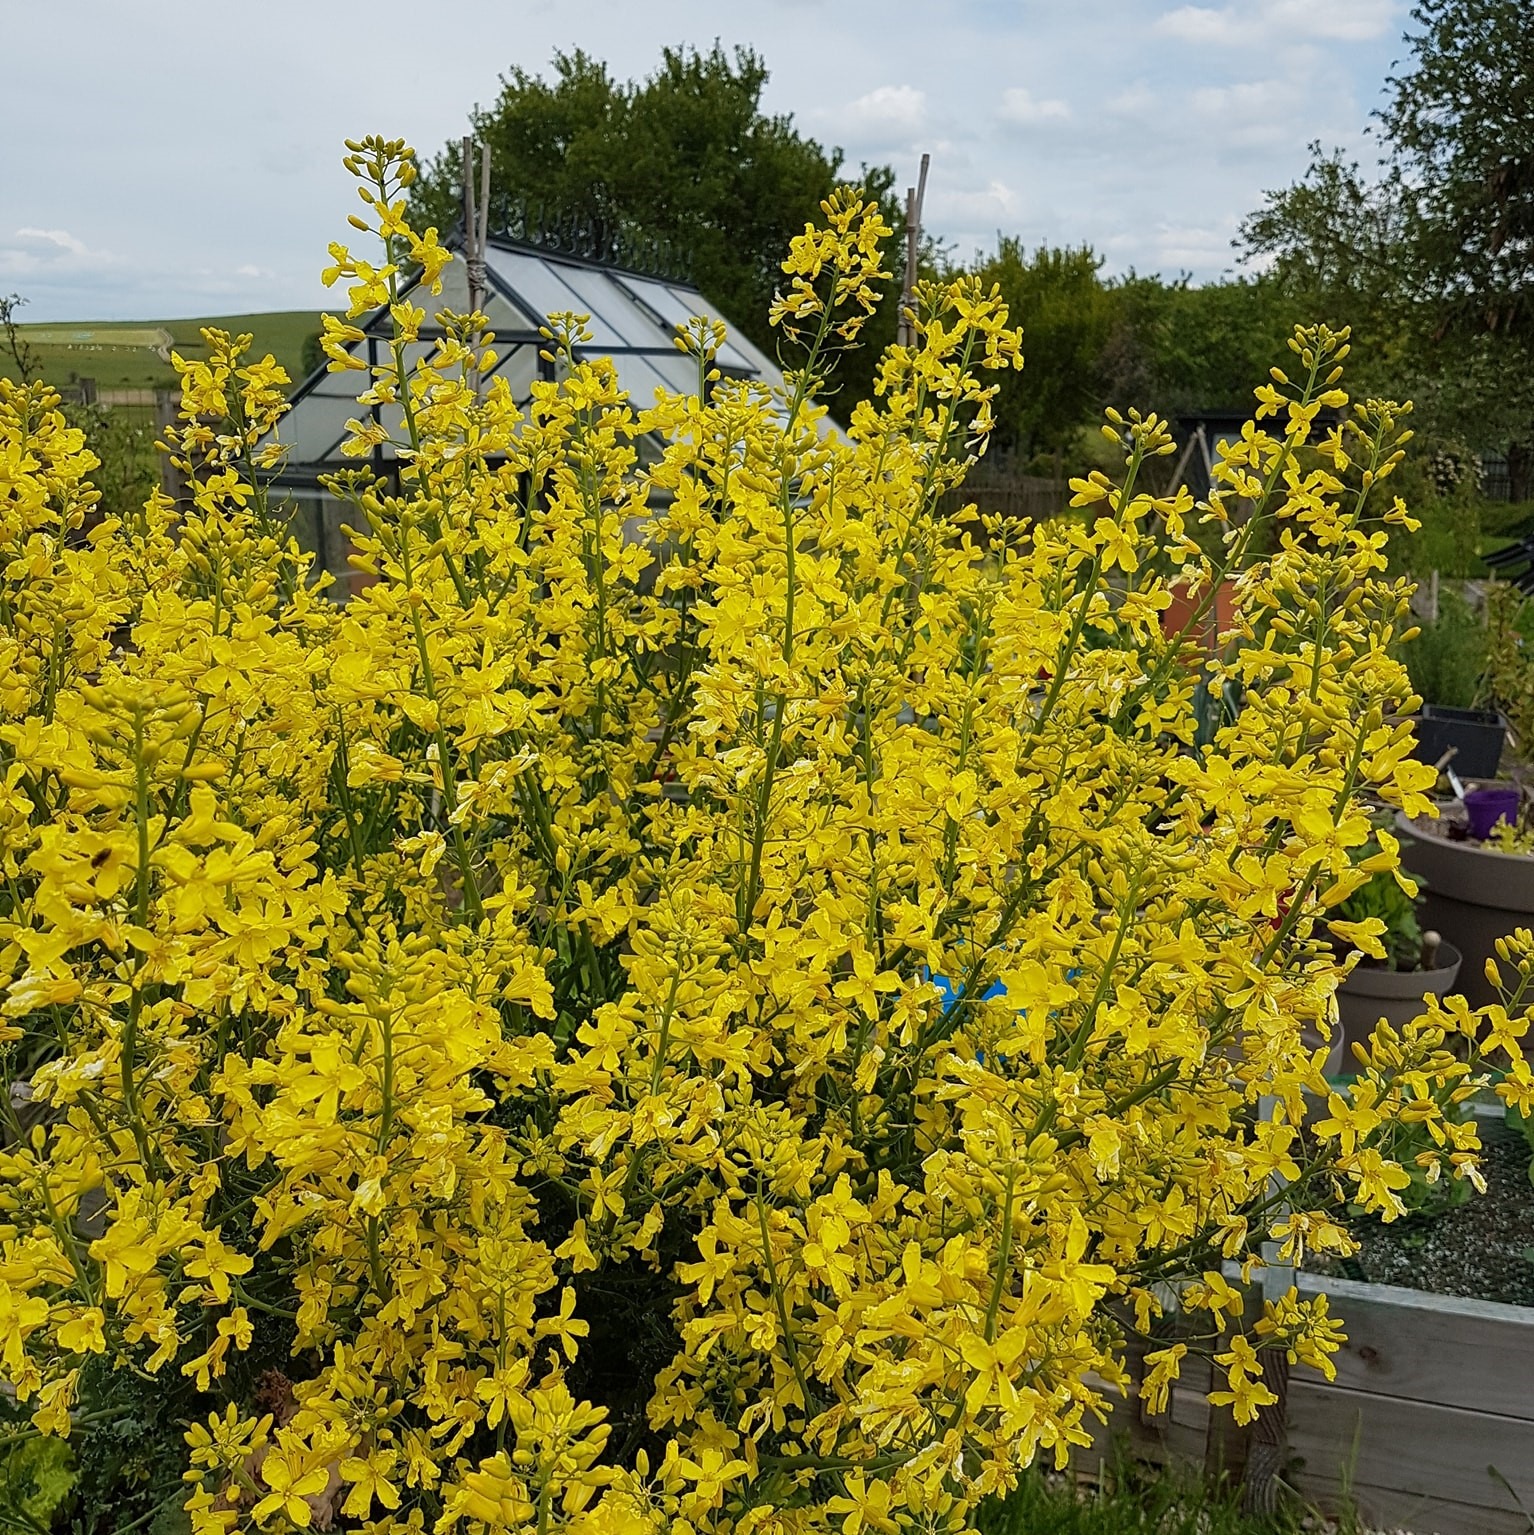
point(635, 301)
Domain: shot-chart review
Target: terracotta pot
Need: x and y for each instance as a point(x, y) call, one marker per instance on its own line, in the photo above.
point(1185, 603)
point(1394, 995)
point(1474, 895)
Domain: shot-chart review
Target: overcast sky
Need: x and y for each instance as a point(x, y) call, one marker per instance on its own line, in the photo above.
point(167, 158)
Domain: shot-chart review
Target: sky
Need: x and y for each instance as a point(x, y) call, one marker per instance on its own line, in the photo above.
point(168, 159)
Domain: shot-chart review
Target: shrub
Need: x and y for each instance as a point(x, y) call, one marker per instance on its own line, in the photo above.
point(731, 1030)
point(1447, 660)
point(1384, 898)
point(1509, 673)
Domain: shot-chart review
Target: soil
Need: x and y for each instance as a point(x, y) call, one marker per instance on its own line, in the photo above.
point(1483, 1249)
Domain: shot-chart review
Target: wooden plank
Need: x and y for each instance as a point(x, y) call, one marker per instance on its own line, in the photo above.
point(1405, 1433)
point(1159, 1442)
point(1163, 1442)
point(1189, 1405)
point(1432, 1348)
point(1413, 1448)
point(1385, 1509)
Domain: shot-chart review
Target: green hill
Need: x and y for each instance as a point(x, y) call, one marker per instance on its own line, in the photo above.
point(135, 354)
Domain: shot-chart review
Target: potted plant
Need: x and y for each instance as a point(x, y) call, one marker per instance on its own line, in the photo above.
point(1415, 964)
point(1479, 887)
point(1469, 740)
point(1449, 662)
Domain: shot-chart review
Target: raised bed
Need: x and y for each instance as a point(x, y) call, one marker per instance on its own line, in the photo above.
point(1433, 1402)
point(1432, 1392)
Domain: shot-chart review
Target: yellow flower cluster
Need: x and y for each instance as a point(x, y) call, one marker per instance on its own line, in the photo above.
point(735, 1026)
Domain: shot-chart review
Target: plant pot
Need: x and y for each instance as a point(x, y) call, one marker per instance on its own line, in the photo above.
point(1477, 736)
point(1474, 895)
point(1178, 616)
point(1336, 1062)
point(1394, 995)
point(1486, 808)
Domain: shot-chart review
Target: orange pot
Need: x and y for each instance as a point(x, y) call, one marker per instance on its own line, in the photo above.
point(1186, 602)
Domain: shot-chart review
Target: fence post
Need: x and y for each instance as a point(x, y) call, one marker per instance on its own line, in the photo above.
point(172, 481)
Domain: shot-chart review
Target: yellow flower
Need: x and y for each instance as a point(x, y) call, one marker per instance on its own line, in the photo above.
point(289, 1470)
point(369, 1477)
point(82, 1333)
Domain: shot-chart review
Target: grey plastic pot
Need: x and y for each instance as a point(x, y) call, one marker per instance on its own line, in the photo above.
point(1394, 995)
point(1473, 895)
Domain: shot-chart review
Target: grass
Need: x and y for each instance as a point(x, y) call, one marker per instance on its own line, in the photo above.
point(134, 354)
point(1161, 1504)
point(1136, 1499)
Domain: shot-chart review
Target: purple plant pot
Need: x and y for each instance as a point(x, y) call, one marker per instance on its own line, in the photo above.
point(1485, 807)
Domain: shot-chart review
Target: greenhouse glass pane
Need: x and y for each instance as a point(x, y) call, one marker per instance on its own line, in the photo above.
point(519, 368)
point(602, 296)
point(315, 425)
point(640, 377)
point(541, 283)
point(676, 306)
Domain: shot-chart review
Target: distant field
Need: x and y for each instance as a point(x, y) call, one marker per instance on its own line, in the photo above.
point(135, 354)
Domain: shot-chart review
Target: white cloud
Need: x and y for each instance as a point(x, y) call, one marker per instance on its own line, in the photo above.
point(886, 112)
point(984, 98)
point(1138, 100)
point(1021, 108)
point(1250, 113)
point(1279, 22)
point(1244, 96)
point(31, 250)
point(1220, 119)
point(1176, 247)
point(61, 239)
point(993, 201)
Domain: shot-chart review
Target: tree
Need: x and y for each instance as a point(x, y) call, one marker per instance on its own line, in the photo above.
point(1334, 232)
point(1462, 126)
point(687, 157)
point(1176, 348)
point(1439, 248)
point(1461, 123)
point(1066, 313)
point(1160, 345)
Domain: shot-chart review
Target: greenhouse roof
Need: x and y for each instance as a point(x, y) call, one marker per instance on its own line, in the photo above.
point(633, 320)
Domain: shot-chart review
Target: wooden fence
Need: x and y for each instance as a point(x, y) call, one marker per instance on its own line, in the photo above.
point(1030, 496)
point(85, 391)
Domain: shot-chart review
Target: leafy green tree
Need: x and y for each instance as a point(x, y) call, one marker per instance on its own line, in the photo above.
point(1161, 345)
point(1461, 124)
point(1334, 234)
point(1175, 348)
point(1440, 245)
point(687, 157)
point(1066, 313)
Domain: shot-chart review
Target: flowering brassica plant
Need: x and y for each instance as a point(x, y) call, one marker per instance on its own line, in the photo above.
point(732, 1029)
